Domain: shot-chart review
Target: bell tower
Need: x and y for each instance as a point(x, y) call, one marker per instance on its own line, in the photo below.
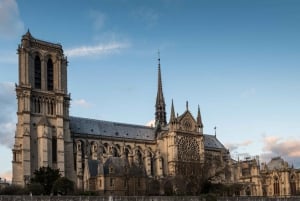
point(42, 136)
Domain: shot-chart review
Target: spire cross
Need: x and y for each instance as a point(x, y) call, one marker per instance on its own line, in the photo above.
point(158, 53)
point(215, 130)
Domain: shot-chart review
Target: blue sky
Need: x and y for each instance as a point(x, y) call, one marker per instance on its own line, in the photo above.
point(238, 59)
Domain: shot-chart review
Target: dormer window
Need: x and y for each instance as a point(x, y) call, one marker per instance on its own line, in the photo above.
point(111, 170)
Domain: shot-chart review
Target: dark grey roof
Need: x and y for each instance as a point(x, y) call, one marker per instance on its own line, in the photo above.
point(118, 164)
point(110, 129)
point(121, 167)
point(211, 142)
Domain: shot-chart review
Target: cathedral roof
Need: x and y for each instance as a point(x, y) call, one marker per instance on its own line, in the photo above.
point(277, 163)
point(84, 126)
point(211, 142)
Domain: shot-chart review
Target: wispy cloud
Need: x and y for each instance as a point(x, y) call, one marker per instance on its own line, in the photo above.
point(234, 146)
point(101, 49)
point(147, 16)
point(287, 148)
point(10, 23)
point(8, 108)
point(98, 18)
point(82, 103)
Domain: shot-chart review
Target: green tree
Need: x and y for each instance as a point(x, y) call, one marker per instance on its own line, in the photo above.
point(46, 176)
point(63, 186)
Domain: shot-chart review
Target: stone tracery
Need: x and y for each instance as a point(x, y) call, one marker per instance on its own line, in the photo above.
point(188, 149)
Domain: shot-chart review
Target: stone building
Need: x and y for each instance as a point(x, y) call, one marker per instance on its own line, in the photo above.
point(275, 178)
point(103, 156)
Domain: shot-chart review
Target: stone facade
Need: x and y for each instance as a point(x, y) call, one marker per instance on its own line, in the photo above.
point(111, 158)
point(101, 156)
point(276, 178)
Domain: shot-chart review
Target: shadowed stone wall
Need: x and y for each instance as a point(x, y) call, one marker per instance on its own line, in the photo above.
point(139, 198)
point(259, 199)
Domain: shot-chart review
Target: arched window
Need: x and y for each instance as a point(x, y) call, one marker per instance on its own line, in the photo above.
point(37, 72)
point(276, 186)
point(50, 75)
point(293, 185)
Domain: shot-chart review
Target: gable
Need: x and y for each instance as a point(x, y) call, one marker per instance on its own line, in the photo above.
point(187, 122)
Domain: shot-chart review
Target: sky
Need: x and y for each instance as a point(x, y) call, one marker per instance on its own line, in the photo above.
point(238, 59)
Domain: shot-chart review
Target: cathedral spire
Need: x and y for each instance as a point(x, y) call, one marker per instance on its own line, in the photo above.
point(160, 106)
point(199, 119)
point(172, 116)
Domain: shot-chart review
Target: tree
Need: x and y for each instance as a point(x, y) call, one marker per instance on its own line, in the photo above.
point(36, 188)
point(46, 176)
point(63, 186)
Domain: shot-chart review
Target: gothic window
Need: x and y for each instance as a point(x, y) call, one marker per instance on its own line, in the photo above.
point(50, 75)
point(293, 185)
point(37, 105)
point(100, 183)
point(138, 157)
point(37, 72)
point(188, 149)
point(248, 191)
point(187, 125)
point(115, 152)
point(54, 149)
point(276, 186)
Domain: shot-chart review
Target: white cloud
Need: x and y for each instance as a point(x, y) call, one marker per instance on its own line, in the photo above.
point(287, 148)
point(8, 109)
point(100, 49)
point(82, 103)
point(10, 23)
point(234, 146)
point(151, 123)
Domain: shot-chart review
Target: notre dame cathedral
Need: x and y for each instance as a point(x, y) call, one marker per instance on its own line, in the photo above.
point(111, 158)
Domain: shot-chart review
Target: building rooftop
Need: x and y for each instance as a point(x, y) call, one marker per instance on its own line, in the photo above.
point(85, 126)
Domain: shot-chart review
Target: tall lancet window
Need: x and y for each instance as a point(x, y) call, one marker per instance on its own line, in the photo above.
point(37, 72)
point(50, 75)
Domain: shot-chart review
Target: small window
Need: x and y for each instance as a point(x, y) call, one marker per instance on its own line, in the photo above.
point(112, 182)
point(37, 72)
point(111, 170)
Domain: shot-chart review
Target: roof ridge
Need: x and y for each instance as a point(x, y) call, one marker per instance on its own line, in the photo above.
point(114, 122)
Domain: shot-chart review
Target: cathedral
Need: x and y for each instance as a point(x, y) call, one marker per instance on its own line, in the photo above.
point(111, 158)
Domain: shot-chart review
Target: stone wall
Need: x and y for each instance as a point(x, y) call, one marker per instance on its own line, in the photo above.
point(101, 198)
point(139, 198)
point(259, 198)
